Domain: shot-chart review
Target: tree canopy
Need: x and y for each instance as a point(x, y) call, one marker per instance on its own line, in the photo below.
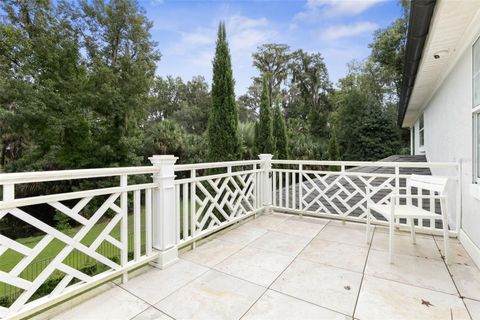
point(78, 90)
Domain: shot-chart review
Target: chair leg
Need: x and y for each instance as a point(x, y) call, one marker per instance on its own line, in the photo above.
point(391, 239)
point(446, 239)
point(412, 230)
point(368, 224)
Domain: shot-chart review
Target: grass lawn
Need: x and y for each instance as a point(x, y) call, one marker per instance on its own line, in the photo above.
point(76, 259)
point(11, 258)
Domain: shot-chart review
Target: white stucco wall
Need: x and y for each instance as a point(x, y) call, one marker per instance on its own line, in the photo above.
point(448, 135)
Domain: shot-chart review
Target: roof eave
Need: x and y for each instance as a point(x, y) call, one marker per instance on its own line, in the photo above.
point(421, 12)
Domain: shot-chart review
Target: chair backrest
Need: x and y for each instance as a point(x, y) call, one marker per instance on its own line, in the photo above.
point(431, 183)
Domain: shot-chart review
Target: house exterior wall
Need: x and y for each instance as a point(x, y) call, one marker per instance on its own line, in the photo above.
point(448, 138)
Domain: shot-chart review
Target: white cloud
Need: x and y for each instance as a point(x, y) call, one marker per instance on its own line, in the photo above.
point(202, 59)
point(243, 34)
point(332, 8)
point(350, 30)
point(246, 34)
point(343, 7)
point(200, 36)
point(195, 47)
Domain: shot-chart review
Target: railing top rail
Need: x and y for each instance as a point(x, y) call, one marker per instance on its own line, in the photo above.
point(209, 165)
point(21, 202)
point(58, 175)
point(370, 163)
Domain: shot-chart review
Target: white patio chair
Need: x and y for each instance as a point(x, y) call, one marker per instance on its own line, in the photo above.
point(394, 210)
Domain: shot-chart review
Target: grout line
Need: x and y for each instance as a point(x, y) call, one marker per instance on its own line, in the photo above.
point(363, 273)
point(412, 285)
point(280, 274)
point(152, 306)
point(329, 265)
point(212, 268)
point(309, 302)
point(188, 282)
point(451, 277)
point(168, 315)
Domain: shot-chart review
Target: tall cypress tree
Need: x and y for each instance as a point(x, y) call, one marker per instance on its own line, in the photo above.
point(280, 133)
point(265, 127)
point(223, 142)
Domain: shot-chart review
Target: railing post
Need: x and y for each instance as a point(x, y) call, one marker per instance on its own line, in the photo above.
point(8, 192)
point(266, 181)
point(163, 213)
point(124, 226)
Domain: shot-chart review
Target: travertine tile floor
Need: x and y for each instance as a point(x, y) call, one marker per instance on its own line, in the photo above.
point(286, 267)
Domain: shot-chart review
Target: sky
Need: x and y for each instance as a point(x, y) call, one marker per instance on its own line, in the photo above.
point(340, 30)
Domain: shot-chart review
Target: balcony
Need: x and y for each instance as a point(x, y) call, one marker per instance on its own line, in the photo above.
point(264, 239)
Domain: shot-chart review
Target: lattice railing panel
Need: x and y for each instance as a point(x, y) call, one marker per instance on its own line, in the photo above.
point(205, 204)
point(342, 195)
point(105, 226)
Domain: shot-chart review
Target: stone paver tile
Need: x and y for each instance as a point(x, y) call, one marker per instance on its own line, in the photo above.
point(350, 225)
point(256, 265)
point(155, 284)
point(467, 279)
point(336, 254)
point(422, 272)
point(384, 299)
point(152, 314)
point(326, 286)
point(353, 236)
point(212, 252)
point(267, 221)
point(214, 295)
point(242, 235)
point(424, 247)
point(405, 233)
point(458, 254)
point(302, 227)
point(281, 243)
point(115, 304)
point(473, 307)
point(277, 306)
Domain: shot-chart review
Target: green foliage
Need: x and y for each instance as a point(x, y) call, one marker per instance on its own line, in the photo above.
point(265, 143)
point(164, 137)
point(333, 152)
point(302, 145)
point(186, 103)
point(310, 76)
point(364, 129)
point(5, 301)
point(80, 77)
point(280, 133)
point(246, 132)
point(272, 61)
point(249, 103)
point(61, 221)
point(74, 79)
point(223, 140)
point(388, 52)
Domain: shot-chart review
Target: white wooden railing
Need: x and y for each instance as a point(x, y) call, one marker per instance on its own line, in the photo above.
point(111, 208)
point(338, 189)
point(177, 206)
